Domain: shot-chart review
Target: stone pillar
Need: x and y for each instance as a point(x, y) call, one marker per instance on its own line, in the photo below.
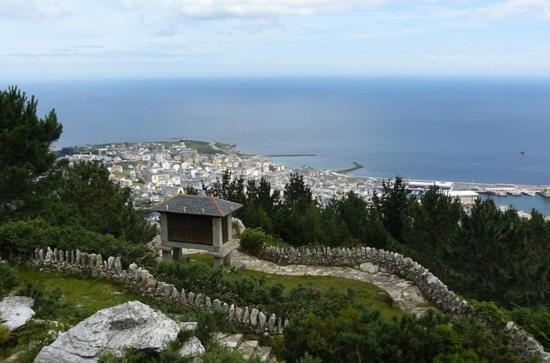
point(229, 228)
point(217, 238)
point(163, 229)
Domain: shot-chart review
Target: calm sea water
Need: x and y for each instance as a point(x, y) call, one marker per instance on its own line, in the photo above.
point(465, 130)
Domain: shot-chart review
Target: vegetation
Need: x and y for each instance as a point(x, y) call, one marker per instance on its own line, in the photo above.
point(282, 295)
point(339, 331)
point(8, 280)
point(485, 254)
point(83, 195)
point(24, 142)
point(22, 237)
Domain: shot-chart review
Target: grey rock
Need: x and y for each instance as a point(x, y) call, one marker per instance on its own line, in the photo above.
point(262, 319)
point(191, 298)
point(246, 316)
point(15, 311)
point(254, 317)
point(183, 298)
point(189, 326)
point(231, 312)
point(369, 267)
point(118, 265)
point(49, 255)
point(191, 348)
point(110, 262)
point(132, 324)
point(271, 323)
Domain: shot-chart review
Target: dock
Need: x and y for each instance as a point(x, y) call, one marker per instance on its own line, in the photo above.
point(356, 166)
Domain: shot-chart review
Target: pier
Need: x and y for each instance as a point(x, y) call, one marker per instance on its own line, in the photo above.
point(356, 166)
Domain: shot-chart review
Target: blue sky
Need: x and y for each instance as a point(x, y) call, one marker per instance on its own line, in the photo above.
point(75, 39)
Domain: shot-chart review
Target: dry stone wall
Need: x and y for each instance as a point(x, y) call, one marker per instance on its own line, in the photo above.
point(430, 286)
point(144, 282)
point(395, 263)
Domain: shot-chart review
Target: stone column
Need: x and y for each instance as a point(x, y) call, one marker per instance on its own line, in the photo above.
point(229, 228)
point(217, 238)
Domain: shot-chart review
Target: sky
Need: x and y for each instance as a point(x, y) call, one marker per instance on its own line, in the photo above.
point(97, 39)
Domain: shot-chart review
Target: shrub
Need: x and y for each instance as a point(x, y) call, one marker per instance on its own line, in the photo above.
point(8, 279)
point(23, 237)
point(4, 334)
point(208, 324)
point(254, 239)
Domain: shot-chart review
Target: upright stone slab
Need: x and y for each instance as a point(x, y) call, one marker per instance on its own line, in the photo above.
point(118, 265)
point(183, 298)
point(232, 312)
point(110, 263)
point(254, 317)
point(262, 319)
point(246, 316)
point(191, 298)
point(271, 323)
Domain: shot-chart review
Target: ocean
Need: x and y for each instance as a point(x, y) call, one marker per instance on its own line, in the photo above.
point(473, 130)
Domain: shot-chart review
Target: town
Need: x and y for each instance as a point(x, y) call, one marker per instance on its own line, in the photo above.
point(156, 170)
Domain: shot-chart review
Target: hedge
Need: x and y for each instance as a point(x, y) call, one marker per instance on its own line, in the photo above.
point(21, 238)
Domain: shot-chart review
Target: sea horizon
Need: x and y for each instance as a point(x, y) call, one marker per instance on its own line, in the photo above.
point(469, 130)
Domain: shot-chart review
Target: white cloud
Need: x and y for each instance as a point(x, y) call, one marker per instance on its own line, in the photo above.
point(247, 8)
point(33, 8)
point(517, 7)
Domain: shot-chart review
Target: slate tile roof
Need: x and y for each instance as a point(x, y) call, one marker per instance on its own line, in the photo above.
point(198, 205)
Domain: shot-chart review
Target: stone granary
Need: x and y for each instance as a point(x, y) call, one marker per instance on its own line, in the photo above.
point(198, 222)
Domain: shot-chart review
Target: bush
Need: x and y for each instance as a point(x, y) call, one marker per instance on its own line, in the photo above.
point(4, 334)
point(208, 324)
point(23, 237)
point(254, 239)
point(8, 279)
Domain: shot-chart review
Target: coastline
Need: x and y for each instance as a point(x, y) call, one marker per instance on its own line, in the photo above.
point(523, 197)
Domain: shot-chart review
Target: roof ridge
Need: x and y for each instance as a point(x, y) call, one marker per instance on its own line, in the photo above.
point(217, 205)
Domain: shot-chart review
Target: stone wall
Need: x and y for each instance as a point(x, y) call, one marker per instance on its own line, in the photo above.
point(142, 281)
point(431, 287)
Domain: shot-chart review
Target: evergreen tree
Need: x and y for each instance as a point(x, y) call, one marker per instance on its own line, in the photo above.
point(392, 207)
point(84, 195)
point(25, 140)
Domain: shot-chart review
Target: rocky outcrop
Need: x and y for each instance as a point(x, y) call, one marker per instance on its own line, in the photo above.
point(15, 311)
point(132, 324)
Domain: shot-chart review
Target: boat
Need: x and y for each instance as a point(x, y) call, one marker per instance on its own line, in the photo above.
point(545, 193)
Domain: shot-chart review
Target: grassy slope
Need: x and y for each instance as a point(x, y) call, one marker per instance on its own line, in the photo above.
point(367, 294)
point(90, 295)
point(87, 295)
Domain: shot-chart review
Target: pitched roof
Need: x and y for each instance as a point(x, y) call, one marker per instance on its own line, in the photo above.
point(197, 204)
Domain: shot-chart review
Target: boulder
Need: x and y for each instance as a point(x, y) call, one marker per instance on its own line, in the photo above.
point(15, 311)
point(191, 348)
point(132, 324)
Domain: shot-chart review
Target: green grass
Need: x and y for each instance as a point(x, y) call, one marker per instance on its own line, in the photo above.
point(89, 295)
point(366, 294)
point(81, 297)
